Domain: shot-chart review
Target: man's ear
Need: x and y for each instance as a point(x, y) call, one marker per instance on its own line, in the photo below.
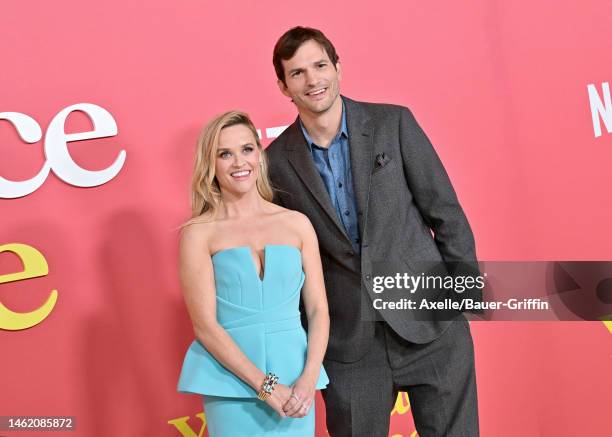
point(282, 87)
point(339, 70)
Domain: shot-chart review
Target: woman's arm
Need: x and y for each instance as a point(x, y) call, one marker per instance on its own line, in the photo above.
point(315, 305)
point(198, 287)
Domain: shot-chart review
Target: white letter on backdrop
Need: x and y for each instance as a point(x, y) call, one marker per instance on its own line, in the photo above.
point(600, 108)
point(29, 131)
point(59, 157)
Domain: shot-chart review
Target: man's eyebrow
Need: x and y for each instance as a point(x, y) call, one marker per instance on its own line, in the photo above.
point(299, 69)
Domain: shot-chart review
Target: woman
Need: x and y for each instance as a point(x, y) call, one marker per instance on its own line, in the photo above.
point(244, 262)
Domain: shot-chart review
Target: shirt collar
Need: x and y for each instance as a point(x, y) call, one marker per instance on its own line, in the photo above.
point(343, 130)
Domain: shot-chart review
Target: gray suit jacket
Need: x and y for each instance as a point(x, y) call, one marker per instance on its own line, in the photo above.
point(403, 196)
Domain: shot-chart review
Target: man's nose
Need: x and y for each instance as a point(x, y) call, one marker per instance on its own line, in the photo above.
point(311, 77)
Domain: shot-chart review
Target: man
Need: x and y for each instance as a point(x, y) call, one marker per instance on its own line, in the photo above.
point(375, 191)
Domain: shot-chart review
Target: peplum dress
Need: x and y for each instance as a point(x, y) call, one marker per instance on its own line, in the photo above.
point(263, 318)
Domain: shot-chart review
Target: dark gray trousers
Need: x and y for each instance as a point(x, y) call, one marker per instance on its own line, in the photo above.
point(439, 377)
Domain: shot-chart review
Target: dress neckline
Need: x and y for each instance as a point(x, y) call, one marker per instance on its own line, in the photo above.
point(261, 275)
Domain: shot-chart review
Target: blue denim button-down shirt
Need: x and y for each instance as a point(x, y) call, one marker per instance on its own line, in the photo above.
point(334, 166)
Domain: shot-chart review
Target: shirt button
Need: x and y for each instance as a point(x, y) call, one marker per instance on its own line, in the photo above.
point(339, 184)
point(368, 277)
point(347, 212)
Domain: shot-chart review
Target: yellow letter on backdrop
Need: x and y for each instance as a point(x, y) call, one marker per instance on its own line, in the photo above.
point(34, 266)
point(186, 431)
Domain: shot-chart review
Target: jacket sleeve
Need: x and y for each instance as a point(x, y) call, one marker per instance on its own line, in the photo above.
point(436, 200)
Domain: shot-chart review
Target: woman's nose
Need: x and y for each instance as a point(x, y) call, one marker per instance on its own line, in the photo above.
point(238, 160)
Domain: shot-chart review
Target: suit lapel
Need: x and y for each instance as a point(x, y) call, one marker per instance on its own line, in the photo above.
point(301, 160)
point(361, 135)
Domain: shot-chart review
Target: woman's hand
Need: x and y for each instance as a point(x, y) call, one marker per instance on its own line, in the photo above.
point(279, 397)
point(301, 398)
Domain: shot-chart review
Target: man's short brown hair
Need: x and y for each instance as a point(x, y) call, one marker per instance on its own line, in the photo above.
point(287, 45)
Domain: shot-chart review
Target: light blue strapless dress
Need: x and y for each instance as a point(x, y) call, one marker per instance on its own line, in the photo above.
point(262, 316)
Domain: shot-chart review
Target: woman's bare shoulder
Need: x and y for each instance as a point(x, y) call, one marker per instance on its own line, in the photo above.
point(290, 216)
point(197, 233)
point(299, 223)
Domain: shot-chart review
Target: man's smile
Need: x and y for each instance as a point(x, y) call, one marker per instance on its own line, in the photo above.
point(316, 94)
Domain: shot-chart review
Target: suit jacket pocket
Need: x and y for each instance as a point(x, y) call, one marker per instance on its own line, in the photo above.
point(381, 174)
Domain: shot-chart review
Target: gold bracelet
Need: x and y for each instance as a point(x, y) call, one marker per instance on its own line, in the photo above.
point(268, 386)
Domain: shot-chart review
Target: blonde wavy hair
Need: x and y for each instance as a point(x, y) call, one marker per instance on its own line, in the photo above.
point(205, 192)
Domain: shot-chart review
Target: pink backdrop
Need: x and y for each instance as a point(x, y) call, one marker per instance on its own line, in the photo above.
point(500, 87)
